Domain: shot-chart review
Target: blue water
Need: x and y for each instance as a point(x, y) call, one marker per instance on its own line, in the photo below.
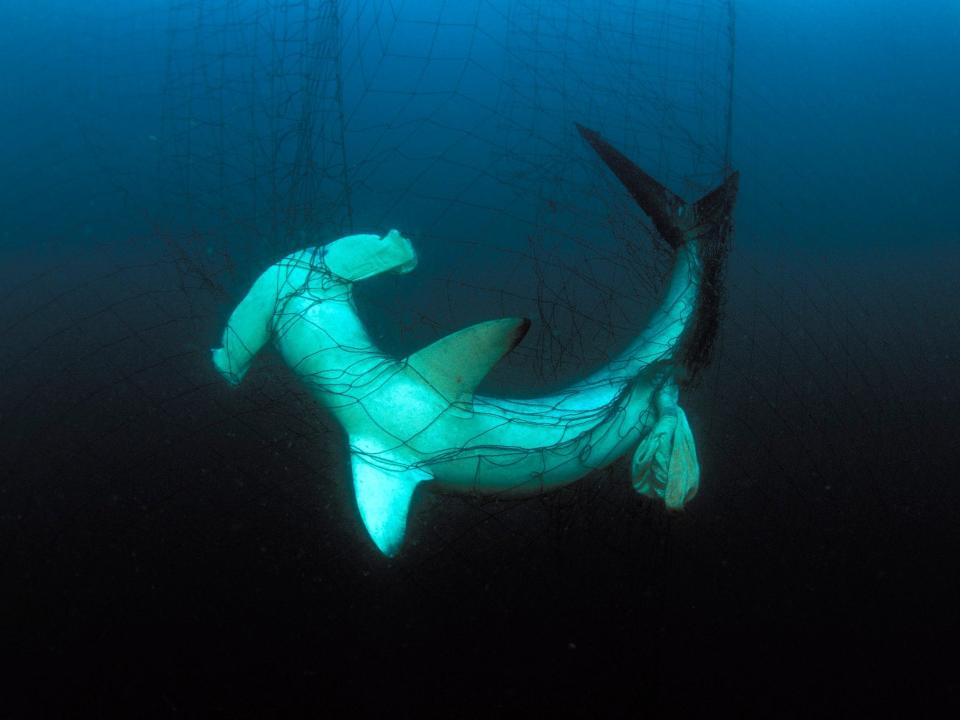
point(172, 546)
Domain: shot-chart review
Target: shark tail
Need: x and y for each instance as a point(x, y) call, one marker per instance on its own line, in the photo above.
point(675, 220)
point(708, 222)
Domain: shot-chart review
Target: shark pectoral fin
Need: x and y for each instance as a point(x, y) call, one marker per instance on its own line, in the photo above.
point(665, 464)
point(455, 365)
point(384, 483)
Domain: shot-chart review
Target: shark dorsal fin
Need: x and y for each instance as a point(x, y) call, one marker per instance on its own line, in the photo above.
point(454, 365)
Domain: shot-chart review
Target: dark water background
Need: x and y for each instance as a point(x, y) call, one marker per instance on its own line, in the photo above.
point(169, 547)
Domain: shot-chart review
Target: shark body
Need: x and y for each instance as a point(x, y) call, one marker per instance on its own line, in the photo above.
point(417, 420)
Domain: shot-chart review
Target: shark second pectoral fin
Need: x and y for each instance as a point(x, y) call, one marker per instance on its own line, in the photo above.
point(665, 463)
point(384, 483)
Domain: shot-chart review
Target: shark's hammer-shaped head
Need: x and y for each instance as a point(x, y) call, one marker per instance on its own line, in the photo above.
point(358, 257)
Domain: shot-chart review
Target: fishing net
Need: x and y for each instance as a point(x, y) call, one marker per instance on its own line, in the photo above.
point(140, 487)
point(287, 126)
point(140, 491)
point(454, 122)
point(284, 125)
point(260, 128)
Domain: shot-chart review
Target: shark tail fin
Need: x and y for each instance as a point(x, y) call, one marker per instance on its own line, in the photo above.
point(712, 214)
point(708, 222)
point(674, 219)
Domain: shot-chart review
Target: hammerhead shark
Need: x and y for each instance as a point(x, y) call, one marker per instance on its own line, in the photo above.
point(418, 420)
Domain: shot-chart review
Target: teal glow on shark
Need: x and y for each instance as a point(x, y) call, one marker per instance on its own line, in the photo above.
point(418, 421)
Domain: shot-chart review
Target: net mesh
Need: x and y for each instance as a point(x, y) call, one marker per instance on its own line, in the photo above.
point(287, 124)
point(136, 484)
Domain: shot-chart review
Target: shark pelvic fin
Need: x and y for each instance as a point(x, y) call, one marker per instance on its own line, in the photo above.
point(384, 483)
point(665, 463)
point(454, 365)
